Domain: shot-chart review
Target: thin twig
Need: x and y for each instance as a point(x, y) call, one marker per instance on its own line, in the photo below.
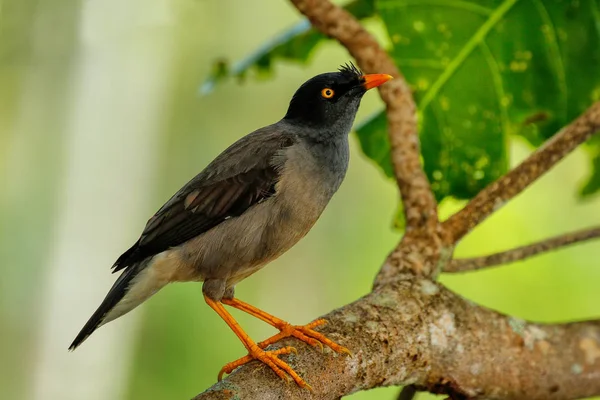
point(420, 207)
point(521, 253)
point(498, 193)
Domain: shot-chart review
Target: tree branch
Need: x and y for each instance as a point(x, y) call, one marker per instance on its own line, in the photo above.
point(418, 332)
point(521, 253)
point(514, 182)
point(420, 207)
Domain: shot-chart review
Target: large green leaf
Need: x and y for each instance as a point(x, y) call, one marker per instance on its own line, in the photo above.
point(294, 44)
point(484, 70)
point(593, 184)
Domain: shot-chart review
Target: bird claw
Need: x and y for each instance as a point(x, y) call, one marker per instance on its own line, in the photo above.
point(319, 338)
point(271, 359)
point(315, 323)
point(306, 334)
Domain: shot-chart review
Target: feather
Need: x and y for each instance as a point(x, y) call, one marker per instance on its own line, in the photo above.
point(222, 191)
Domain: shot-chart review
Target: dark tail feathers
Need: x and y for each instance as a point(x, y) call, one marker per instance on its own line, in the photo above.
point(115, 294)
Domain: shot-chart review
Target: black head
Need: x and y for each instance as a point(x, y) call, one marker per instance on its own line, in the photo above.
point(328, 102)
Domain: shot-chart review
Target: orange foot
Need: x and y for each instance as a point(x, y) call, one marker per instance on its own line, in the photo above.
point(302, 332)
point(272, 360)
point(254, 351)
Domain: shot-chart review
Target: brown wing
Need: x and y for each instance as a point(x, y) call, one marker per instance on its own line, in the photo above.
point(242, 176)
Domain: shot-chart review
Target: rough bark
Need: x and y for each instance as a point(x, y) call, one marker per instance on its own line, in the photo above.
point(411, 330)
point(418, 332)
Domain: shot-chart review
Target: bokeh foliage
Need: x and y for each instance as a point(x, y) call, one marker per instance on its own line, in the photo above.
point(481, 71)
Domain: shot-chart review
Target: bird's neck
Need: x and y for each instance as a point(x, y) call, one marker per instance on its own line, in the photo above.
point(333, 134)
point(331, 155)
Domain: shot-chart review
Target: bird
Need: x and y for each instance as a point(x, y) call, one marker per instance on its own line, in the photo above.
point(250, 205)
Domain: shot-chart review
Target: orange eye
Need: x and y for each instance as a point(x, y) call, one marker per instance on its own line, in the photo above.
point(327, 93)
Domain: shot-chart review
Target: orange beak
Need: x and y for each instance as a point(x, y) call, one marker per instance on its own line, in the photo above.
point(374, 80)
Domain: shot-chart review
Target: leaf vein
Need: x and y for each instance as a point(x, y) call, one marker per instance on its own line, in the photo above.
point(465, 51)
point(459, 4)
point(499, 88)
point(555, 56)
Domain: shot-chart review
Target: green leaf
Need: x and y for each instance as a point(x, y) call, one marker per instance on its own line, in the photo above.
point(484, 70)
point(295, 44)
point(399, 222)
point(373, 137)
point(592, 185)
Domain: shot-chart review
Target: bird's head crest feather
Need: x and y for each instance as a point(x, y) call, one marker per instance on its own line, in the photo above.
point(351, 70)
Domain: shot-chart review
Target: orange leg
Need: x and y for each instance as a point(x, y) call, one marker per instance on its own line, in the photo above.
point(255, 352)
point(304, 333)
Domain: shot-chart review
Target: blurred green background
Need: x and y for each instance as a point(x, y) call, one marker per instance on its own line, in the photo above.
point(101, 121)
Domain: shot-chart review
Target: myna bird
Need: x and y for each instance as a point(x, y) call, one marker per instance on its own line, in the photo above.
point(245, 209)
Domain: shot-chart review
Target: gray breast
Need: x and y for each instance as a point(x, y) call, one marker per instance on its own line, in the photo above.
point(238, 247)
point(312, 173)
